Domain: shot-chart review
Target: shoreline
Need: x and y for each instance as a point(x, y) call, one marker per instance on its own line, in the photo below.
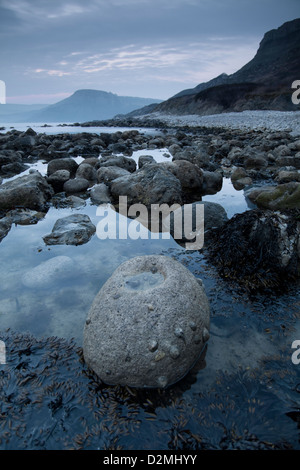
point(265, 120)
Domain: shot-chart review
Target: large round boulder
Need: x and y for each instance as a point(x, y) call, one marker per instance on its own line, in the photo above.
point(148, 324)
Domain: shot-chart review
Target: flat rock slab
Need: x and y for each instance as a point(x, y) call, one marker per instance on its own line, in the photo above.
point(75, 229)
point(148, 324)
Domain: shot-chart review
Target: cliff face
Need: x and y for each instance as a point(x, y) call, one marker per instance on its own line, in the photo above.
point(263, 83)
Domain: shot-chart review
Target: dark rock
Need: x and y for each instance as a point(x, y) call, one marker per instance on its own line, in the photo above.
point(289, 161)
point(76, 185)
point(256, 162)
point(60, 200)
point(75, 229)
point(258, 249)
point(58, 179)
point(107, 174)
point(10, 158)
point(12, 169)
point(123, 162)
point(100, 194)
point(145, 159)
point(214, 217)
point(5, 225)
point(189, 175)
point(87, 172)
point(287, 176)
point(152, 184)
point(30, 191)
point(25, 216)
point(25, 142)
point(212, 182)
point(62, 164)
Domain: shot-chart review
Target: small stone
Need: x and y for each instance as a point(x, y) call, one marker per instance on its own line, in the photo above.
point(159, 356)
point(153, 345)
point(162, 381)
point(193, 326)
point(179, 333)
point(150, 307)
point(174, 352)
point(205, 335)
point(197, 339)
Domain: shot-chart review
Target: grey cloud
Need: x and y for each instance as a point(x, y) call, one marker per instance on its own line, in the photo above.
point(118, 42)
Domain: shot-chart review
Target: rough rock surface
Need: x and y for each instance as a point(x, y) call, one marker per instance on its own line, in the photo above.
point(100, 194)
point(62, 164)
point(283, 196)
point(120, 161)
point(259, 249)
point(58, 179)
point(5, 225)
point(152, 184)
point(76, 185)
point(214, 217)
point(148, 324)
point(107, 174)
point(74, 229)
point(30, 191)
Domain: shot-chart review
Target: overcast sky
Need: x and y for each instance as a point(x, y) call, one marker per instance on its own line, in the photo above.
point(146, 48)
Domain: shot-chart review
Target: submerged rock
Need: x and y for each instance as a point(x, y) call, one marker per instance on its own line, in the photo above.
point(60, 200)
point(25, 216)
point(48, 272)
point(147, 325)
point(75, 229)
point(5, 225)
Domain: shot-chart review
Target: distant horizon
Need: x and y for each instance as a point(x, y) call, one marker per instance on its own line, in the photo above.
point(62, 96)
point(134, 48)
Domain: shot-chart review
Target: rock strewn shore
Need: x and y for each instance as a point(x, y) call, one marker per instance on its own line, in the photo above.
point(267, 159)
